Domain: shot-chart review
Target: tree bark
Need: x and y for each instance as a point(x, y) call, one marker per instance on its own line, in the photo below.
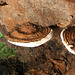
point(40, 12)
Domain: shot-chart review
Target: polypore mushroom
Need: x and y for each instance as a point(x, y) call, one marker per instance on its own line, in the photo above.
point(29, 35)
point(68, 38)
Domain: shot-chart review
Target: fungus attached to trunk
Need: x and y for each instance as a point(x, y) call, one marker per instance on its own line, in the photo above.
point(68, 38)
point(29, 35)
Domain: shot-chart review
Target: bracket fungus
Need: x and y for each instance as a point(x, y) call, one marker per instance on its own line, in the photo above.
point(42, 12)
point(29, 35)
point(68, 38)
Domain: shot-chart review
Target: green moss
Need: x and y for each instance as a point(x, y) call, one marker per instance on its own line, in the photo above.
point(1, 35)
point(6, 52)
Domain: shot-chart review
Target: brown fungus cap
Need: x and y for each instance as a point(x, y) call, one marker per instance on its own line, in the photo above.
point(68, 38)
point(28, 32)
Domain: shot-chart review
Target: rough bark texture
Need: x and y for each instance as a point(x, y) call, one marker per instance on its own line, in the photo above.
point(40, 12)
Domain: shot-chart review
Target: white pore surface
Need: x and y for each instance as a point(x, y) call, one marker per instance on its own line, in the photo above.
point(35, 43)
point(67, 46)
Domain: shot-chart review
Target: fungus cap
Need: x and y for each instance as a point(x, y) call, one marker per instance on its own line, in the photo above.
point(30, 35)
point(68, 38)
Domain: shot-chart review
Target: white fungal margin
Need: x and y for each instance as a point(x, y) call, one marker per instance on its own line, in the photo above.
point(35, 43)
point(67, 46)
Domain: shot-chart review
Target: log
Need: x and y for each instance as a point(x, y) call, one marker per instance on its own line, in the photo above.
point(39, 12)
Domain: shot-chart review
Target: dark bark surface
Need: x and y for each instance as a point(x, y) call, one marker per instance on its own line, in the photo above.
point(49, 58)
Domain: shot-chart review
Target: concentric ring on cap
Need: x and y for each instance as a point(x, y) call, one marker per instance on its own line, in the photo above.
point(68, 38)
point(30, 35)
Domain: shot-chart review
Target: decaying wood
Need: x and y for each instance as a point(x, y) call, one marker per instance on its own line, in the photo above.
point(40, 12)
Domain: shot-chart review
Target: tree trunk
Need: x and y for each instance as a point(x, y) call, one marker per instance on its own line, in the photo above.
point(40, 12)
